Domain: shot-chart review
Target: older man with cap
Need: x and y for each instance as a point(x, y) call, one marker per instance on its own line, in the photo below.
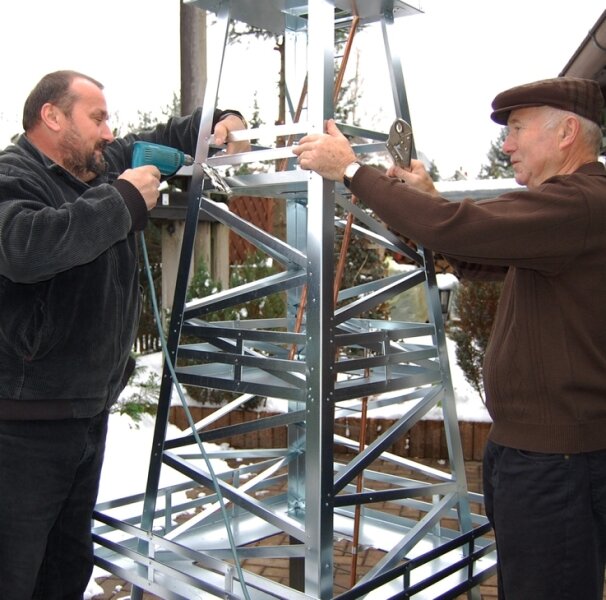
point(545, 367)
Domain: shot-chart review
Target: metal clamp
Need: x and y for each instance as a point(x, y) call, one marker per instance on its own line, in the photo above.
point(399, 143)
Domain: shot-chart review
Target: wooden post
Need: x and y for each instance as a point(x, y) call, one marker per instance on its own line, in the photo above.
point(212, 247)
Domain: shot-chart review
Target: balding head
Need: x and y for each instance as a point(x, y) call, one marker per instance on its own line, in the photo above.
point(53, 88)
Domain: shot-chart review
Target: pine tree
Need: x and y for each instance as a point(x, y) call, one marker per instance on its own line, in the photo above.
point(347, 103)
point(434, 173)
point(499, 166)
point(475, 304)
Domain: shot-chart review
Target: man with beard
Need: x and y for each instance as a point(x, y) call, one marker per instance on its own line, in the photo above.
point(69, 210)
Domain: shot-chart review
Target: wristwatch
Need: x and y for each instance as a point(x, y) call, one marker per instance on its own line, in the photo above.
point(350, 171)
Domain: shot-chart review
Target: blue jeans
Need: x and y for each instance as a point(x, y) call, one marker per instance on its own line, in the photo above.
point(549, 516)
point(49, 478)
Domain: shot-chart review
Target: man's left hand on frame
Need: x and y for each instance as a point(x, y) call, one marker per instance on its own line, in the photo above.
point(222, 130)
point(327, 154)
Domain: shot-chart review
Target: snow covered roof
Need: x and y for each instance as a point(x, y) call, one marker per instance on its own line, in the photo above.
point(476, 189)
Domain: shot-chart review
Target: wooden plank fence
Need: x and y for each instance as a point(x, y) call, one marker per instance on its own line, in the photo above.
point(426, 439)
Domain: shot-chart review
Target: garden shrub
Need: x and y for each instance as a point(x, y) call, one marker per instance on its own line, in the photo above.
point(475, 305)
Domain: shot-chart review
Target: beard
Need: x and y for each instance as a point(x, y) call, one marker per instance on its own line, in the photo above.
point(82, 162)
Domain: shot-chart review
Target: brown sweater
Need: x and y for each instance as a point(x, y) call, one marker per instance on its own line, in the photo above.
point(545, 367)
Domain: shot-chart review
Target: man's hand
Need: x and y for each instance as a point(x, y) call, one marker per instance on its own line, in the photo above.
point(222, 130)
point(327, 153)
point(147, 180)
point(416, 176)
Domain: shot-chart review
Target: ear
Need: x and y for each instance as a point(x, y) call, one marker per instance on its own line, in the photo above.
point(50, 116)
point(568, 131)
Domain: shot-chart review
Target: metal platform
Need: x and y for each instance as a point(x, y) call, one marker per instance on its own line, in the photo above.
point(325, 360)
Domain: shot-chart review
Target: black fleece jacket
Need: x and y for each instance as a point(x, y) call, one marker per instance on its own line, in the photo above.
point(69, 292)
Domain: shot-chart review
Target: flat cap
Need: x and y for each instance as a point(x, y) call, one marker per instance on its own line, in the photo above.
point(580, 96)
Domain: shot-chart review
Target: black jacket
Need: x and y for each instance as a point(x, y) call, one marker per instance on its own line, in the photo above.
point(69, 292)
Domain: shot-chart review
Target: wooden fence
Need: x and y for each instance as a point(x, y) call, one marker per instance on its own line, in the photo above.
point(259, 212)
point(426, 439)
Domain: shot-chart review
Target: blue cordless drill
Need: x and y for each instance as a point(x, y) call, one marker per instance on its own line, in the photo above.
point(168, 160)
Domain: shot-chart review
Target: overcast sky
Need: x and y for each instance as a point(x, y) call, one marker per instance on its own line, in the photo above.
point(456, 56)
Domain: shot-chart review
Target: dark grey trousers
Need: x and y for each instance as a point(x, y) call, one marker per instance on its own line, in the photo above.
point(549, 516)
point(49, 478)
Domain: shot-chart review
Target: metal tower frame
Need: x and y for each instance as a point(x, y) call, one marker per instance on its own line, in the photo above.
point(324, 360)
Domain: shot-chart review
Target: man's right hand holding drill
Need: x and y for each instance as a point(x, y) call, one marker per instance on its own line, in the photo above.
point(147, 180)
point(140, 183)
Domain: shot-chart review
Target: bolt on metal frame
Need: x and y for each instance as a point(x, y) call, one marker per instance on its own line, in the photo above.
point(306, 497)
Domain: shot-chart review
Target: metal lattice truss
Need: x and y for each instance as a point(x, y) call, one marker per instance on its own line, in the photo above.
point(322, 496)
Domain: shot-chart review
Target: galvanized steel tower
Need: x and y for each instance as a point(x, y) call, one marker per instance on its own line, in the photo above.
point(324, 498)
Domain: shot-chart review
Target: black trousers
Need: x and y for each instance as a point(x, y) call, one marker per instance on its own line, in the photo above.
point(49, 478)
point(549, 516)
